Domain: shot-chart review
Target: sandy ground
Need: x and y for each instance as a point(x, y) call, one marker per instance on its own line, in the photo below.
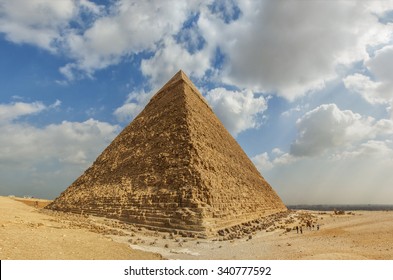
point(360, 235)
point(27, 232)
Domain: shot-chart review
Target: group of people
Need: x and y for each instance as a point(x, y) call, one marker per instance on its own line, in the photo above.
point(309, 225)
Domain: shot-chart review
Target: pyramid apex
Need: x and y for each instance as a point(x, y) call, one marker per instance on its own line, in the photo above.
point(179, 76)
point(180, 72)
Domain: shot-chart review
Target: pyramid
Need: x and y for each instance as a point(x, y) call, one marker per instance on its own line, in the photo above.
point(174, 167)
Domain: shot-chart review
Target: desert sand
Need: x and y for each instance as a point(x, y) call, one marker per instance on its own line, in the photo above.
point(25, 233)
point(28, 232)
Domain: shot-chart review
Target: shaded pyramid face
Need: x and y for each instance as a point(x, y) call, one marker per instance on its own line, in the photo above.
point(174, 167)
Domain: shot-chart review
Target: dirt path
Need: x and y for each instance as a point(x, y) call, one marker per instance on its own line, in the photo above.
point(25, 233)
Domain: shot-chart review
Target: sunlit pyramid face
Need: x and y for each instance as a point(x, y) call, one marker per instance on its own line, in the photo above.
point(174, 167)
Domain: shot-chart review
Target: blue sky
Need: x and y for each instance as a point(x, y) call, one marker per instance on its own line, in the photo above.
point(305, 87)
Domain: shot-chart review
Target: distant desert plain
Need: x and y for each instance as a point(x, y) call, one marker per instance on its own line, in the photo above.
point(27, 231)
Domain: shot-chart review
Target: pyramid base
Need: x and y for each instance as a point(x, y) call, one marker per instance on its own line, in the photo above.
point(204, 228)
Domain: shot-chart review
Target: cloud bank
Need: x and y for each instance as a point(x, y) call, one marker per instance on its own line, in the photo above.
point(281, 67)
point(335, 152)
point(46, 157)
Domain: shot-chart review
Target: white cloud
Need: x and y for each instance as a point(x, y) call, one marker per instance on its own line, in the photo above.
point(90, 7)
point(293, 47)
point(296, 109)
point(58, 152)
point(364, 177)
point(130, 28)
point(15, 110)
point(70, 140)
point(357, 174)
point(328, 127)
point(67, 71)
point(262, 162)
point(23, 144)
point(55, 105)
point(284, 159)
point(333, 134)
point(9, 112)
point(237, 110)
point(171, 58)
point(268, 45)
point(127, 112)
point(135, 103)
point(384, 127)
point(40, 22)
point(381, 65)
point(277, 151)
point(103, 39)
point(363, 85)
point(380, 88)
point(372, 149)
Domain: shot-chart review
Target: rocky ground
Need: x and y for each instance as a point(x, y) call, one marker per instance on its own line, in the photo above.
point(29, 232)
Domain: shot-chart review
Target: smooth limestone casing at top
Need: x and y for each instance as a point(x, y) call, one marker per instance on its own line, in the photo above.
point(174, 167)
